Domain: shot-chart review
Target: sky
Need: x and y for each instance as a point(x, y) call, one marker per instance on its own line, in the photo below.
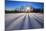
point(11, 5)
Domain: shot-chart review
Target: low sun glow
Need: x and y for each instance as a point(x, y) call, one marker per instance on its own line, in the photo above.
point(27, 8)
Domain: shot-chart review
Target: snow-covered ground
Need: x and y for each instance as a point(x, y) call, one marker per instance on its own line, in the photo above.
point(20, 21)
